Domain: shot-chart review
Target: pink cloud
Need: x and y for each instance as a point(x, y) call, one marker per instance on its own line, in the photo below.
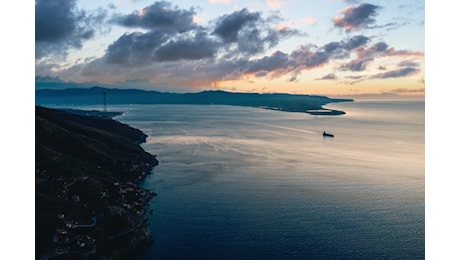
point(309, 21)
point(285, 25)
point(274, 3)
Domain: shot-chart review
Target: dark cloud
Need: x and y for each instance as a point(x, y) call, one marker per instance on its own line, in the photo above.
point(250, 32)
point(135, 48)
point(355, 77)
point(355, 42)
point(317, 59)
point(189, 48)
point(49, 82)
point(274, 62)
point(173, 50)
point(381, 49)
point(240, 33)
point(250, 41)
point(161, 16)
point(309, 56)
point(332, 46)
point(274, 36)
point(406, 90)
point(396, 73)
point(382, 68)
point(355, 65)
point(49, 79)
point(330, 76)
point(139, 49)
point(378, 49)
point(256, 40)
point(47, 13)
point(339, 50)
point(229, 26)
point(358, 17)
point(59, 26)
point(408, 63)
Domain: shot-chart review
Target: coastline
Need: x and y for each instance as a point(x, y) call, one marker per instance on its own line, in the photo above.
point(301, 103)
point(87, 194)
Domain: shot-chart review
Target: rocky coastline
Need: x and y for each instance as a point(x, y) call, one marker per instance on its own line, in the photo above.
point(88, 202)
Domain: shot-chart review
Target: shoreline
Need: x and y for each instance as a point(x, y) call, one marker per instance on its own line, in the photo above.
point(89, 205)
point(274, 101)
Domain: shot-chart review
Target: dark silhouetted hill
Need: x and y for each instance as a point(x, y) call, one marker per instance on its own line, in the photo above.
point(94, 96)
point(87, 202)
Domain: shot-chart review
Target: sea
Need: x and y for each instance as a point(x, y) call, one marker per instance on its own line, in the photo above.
point(250, 183)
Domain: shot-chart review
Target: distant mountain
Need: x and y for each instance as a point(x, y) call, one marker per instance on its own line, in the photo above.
point(93, 96)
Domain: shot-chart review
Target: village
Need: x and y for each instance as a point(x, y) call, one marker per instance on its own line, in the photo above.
point(87, 229)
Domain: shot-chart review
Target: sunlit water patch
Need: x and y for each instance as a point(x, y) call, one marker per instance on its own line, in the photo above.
point(236, 182)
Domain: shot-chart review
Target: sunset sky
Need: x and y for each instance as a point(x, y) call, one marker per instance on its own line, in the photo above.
point(330, 47)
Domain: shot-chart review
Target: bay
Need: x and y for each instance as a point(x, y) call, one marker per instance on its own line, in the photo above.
point(249, 183)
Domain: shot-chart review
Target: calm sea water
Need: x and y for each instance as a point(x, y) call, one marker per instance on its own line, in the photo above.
point(248, 183)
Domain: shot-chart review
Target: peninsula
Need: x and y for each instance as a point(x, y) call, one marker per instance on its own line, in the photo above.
point(88, 203)
point(274, 101)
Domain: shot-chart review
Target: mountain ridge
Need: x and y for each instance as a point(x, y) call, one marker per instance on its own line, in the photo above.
point(312, 104)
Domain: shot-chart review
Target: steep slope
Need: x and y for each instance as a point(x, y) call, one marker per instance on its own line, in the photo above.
point(87, 201)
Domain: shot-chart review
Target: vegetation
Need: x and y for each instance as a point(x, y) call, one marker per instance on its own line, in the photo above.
point(281, 102)
point(87, 201)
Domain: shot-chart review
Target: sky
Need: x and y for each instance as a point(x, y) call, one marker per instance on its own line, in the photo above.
point(330, 47)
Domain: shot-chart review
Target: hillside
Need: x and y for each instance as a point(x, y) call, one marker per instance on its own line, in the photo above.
point(282, 102)
point(87, 201)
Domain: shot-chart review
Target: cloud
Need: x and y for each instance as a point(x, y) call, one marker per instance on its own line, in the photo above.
point(355, 42)
point(355, 18)
point(229, 26)
point(405, 90)
point(140, 49)
point(408, 63)
point(354, 79)
point(171, 49)
point(309, 21)
point(355, 65)
point(381, 49)
point(330, 76)
point(160, 16)
point(396, 73)
point(187, 48)
point(274, 3)
point(250, 32)
point(60, 26)
point(49, 82)
point(48, 79)
point(269, 63)
point(134, 49)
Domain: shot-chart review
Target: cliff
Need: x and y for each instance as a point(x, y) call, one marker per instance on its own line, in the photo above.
point(87, 199)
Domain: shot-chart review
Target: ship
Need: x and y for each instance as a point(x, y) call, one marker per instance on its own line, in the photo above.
point(327, 134)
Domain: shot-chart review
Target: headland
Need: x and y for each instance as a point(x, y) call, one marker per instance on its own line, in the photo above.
point(88, 203)
point(274, 101)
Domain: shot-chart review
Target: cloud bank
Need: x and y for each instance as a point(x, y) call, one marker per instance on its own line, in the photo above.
point(164, 45)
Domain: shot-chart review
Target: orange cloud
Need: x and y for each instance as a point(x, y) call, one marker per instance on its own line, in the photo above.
point(309, 21)
point(197, 18)
point(285, 25)
point(274, 3)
